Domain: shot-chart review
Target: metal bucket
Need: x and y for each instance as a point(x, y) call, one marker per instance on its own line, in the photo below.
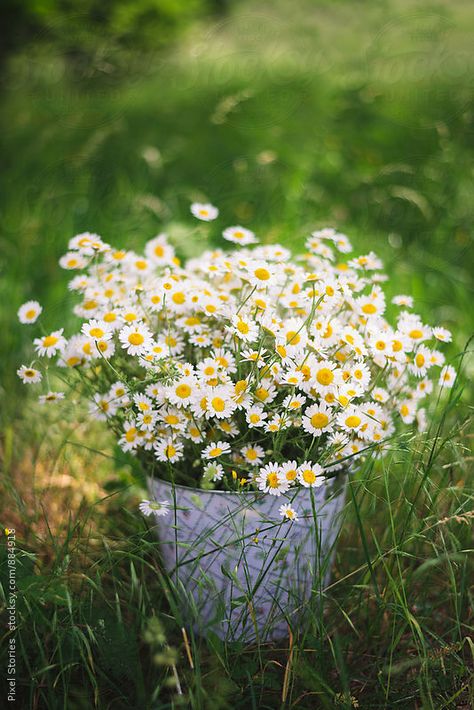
point(240, 571)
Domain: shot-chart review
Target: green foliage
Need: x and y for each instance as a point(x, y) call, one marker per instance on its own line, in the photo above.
point(288, 121)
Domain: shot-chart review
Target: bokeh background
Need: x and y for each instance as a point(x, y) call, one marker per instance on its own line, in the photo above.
point(289, 116)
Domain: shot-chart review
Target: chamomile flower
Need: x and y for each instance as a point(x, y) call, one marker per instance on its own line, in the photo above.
point(213, 471)
point(97, 330)
point(136, 339)
point(204, 211)
point(421, 361)
point(318, 419)
point(447, 376)
point(239, 235)
point(170, 450)
point(253, 454)
point(442, 334)
point(29, 375)
point(154, 507)
point(270, 480)
point(213, 451)
point(29, 312)
point(403, 300)
point(50, 345)
point(287, 512)
point(289, 470)
point(244, 328)
point(51, 397)
point(351, 419)
point(183, 391)
point(219, 402)
point(260, 274)
point(310, 475)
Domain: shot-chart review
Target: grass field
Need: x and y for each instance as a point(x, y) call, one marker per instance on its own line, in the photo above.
point(354, 115)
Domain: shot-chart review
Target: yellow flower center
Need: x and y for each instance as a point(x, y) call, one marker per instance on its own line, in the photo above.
point(183, 391)
point(251, 454)
point(216, 451)
point(254, 418)
point(319, 420)
point(353, 421)
point(369, 308)
point(324, 376)
point(158, 250)
point(309, 475)
point(170, 451)
point(49, 341)
point(291, 474)
point(292, 338)
point(242, 327)
point(179, 297)
point(218, 404)
point(262, 274)
point(380, 345)
point(262, 394)
point(272, 480)
point(415, 334)
point(136, 339)
point(419, 360)
point(31, 313)
point(96, 332)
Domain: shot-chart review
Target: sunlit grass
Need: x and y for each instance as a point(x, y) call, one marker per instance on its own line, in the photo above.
point(279, 139)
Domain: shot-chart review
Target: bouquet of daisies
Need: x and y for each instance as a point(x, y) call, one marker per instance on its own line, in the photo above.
point(244, 369)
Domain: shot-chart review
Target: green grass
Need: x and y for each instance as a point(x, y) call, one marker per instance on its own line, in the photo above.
point(357, 118)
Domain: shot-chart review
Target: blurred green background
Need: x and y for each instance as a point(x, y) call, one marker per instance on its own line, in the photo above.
point(115, 115)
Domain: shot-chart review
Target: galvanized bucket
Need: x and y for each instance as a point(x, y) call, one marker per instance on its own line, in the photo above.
point(238, 570)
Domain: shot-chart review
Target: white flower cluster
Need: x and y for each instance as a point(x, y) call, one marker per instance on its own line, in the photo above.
point(243, 368)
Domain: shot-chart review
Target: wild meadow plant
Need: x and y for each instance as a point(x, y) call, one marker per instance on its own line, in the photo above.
point(245, 369)
point(256, 371)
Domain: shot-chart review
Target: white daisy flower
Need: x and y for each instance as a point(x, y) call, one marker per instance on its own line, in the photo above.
point(154, 507)
point(29, 312)
point(447, 376)
point(317, 419)
point(271, 481)
point(213, 471)
point(136, 339)
point(255, 416)
point(50, 345)
point(29, 375)
point(169, 450)
point(239, 235)
point(288, 512)
point(442, 334)
point(213, 451)
point(183, 391)
point(51, 397)
point(290, 471)
point(205, 212)
point(310, 475)
point(253, 454)
point(97, 330)
point(402, 300)
point(260, 274)
point(219, 402)
point(350, 419)
point(244, 328)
